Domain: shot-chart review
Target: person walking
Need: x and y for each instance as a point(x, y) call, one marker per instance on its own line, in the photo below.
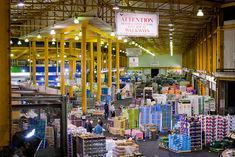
point(112, 110)
point(106, 110)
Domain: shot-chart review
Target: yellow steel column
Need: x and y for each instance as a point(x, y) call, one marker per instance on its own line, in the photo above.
point(209, 54)
point(34, 61)
point(98, 68)
point(5, 86)
point(91, 66)
point(110, 63)
point(204, 55)
point(62, 53)
point(71, 68)
point(201, 57)
point(83, 67)
point(214, 57)
point(117, 65)
point(220, 54)
point(46, 61)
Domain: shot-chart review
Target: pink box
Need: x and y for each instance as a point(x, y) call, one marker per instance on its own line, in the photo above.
point(137, 133)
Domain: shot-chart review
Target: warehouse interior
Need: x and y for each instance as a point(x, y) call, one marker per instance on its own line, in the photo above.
point(95, 78)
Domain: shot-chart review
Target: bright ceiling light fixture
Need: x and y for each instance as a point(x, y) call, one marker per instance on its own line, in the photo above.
point(53, 39)
point(26, 40)
point(20, 3)
point(171, 29)
point(39, 36)
point(80, 34)
point(12, 55)
point(52, 32)
point(112, 34)
point(19, 42)
point(171, 47)
point(76, 20)
point(76, 38)
point(11, 42)
point(200, 12)
point(53, 43)
point(170, 24)
point(106, 46)
point(116, 7)
point(114, 48)
point(125, 40)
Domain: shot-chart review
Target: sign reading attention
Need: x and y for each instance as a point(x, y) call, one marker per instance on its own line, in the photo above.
point(137, 24)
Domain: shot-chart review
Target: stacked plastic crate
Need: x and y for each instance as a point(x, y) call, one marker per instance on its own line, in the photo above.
point(195, 132)
point(133, 118)
point(231, 123)
point(105, 95)
point(69, 145)
point(157, 116)
point(145, 115)
point(179, 143)
point(166, 117)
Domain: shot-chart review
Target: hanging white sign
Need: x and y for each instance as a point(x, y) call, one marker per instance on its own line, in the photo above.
point(137, 24)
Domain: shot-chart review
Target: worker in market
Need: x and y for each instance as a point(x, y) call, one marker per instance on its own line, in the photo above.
point(100, 121)
point(98, 129)
point(88, 126)
point(112, 110)
point(106, 110)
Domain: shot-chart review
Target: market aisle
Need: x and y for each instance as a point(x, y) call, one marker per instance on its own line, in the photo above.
point(151, 149)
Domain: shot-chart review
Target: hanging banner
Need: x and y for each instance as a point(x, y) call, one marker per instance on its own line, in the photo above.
point(133, 61)
point(137, 24)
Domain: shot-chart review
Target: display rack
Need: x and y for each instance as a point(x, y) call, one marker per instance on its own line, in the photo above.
point(91, 146)
point(148, 93)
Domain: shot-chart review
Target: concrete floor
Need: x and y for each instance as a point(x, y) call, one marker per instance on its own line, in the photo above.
point(151, 149)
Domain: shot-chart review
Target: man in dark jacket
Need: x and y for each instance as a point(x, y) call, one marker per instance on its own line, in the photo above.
point(88, 126)
point(106, 110)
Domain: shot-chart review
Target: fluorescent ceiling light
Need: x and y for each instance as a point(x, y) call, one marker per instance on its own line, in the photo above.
point(39, 36)
point(116, 7)
point(76, 37)
point(20, 3)
point(112, 34)
point(19, 42)
point(200, 13)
